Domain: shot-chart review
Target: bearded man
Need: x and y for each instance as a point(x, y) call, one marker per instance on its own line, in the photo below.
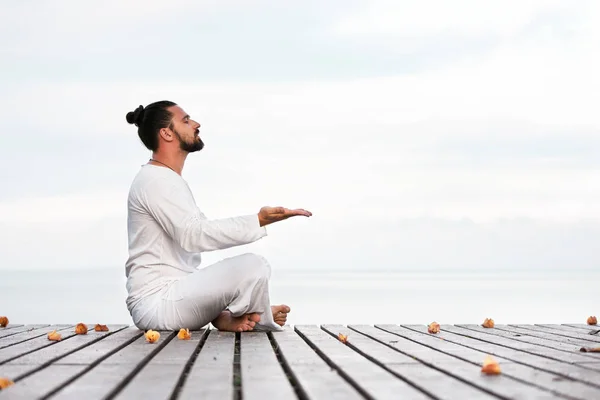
point(167, 234)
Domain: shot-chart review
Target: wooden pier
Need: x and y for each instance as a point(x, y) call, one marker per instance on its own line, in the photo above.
point(542, 361)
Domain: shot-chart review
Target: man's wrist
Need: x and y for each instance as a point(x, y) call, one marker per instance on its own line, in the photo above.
point(261, 222)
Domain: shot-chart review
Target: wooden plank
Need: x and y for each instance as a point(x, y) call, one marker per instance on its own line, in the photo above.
point(586, 330)
point(160, 377)
point(262, 375)
point(368, 378)
point(525, 336)
point(590, 332)
point(553, 354)
point(20, 349)
point(429, 350)
point(17, 329)
point(558, 333)
point(64, 347)
point(23, 335)
point(31, 389)
point(461, 336)
point(108, 377)
point(564, 328)
point(584, 327)
point(211, 375)
point(514, 370)
point(315, 378)
point(101, 350)
point(68, 368)
point(549, 336)
point(14, 371)
point(28, 364)
point(10, 326)
point(431, 378)
point(560, 337)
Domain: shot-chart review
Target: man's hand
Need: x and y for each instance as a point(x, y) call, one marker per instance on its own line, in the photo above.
point(268, 215)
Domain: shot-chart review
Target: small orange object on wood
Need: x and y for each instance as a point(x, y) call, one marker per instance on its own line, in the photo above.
point(81, 329)
point(54, 336)
point(490, 366)
point(488, 323)
point(184, 334)
point(3, 322)
point(433, 327)
point(152, 336)
point(343, 338)
point(592, 320)
point(5, 382)
point(101, 328)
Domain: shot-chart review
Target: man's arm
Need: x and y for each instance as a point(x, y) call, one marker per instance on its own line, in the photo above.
point(175, 211)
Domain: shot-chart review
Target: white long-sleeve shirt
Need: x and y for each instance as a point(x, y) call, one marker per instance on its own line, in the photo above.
point(167, 231)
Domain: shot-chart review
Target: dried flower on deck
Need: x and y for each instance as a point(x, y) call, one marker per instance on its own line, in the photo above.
point(488, 323)
point(592, 320)
point(5, 382)
point(81, 329)
point(101, 328)
point(54, 336)
point(3, 322)
point(343, 338)
point(152, 336)
point(490, 366)
point(184, 334)
point(433, 327)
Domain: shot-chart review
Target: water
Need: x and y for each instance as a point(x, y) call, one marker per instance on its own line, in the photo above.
point(322, 296)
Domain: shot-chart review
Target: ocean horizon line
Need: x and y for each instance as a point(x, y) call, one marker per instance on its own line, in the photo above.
point(347, 270)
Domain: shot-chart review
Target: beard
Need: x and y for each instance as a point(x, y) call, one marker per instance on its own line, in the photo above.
point(195, 145)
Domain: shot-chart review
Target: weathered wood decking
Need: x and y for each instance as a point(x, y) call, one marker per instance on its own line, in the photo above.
point(306, 362)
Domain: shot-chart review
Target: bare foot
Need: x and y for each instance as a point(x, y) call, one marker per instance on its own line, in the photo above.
point(280, 313)
point(227, 322)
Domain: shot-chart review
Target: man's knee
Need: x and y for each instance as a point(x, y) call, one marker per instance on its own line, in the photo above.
point(256, 264)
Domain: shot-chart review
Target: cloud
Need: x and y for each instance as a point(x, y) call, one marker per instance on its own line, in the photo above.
point(68, 209)
point(71, 24)
point(429, 18)
point(355, 243)
point(357, 146)
point(545, 85)
point(267, 41)
point(467, 124)
point(185, 39)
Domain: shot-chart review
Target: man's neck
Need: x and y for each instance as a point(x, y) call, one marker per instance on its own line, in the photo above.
point(172, 161)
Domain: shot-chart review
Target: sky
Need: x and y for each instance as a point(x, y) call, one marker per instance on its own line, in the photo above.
point(421, 134)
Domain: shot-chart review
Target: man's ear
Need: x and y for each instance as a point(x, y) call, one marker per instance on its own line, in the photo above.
point(166, 134)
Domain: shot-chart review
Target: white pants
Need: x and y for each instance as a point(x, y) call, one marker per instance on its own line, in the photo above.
point(239, 284)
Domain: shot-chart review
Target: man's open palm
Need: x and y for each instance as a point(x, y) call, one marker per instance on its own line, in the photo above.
point(268, 215)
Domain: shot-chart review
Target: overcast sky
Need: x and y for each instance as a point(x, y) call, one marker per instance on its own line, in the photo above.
point(421, 134)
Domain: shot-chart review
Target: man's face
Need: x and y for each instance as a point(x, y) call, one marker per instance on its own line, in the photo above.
point(187, 130)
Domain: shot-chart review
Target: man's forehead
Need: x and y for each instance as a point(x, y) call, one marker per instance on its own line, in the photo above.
point(178, 112)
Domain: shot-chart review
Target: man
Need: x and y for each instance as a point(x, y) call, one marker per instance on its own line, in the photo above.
point(168, 232)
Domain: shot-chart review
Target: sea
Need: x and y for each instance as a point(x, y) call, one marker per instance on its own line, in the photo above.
point(322, 296)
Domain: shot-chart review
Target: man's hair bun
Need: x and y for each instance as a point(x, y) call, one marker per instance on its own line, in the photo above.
point(136, 117)
point(150, 120)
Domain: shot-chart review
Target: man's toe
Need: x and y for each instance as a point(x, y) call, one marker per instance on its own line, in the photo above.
point(282, 309)
point(254, 318)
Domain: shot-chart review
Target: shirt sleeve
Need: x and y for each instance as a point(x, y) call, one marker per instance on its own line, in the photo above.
point(174, 209)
